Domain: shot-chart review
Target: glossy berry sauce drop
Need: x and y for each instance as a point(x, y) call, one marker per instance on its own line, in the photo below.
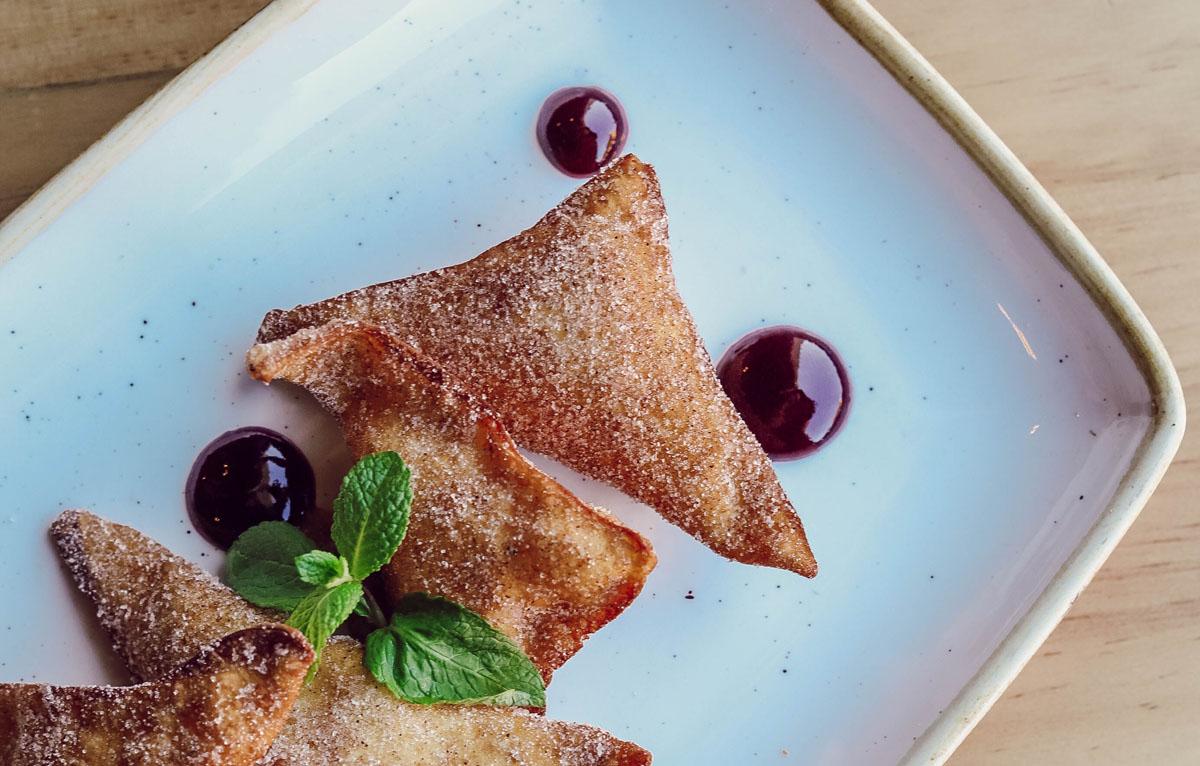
point(789, 386)
point(245, 477)
point(581, 130)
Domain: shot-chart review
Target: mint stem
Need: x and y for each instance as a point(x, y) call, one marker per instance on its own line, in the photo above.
point(374, 612)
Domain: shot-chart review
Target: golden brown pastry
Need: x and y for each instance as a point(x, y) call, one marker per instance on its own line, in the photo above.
point(574, 333)
point(158, 608)
point(487, 528)
point(222, 708)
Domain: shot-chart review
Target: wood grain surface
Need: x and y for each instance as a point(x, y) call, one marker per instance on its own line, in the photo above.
point(1100, 98)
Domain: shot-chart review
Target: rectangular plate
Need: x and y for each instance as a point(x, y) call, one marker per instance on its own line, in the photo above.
point(1013, 410)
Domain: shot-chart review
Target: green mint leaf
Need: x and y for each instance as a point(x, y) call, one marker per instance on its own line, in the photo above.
point(323, 611)
point(323, 568)
point(370, 514)
point(361, 608)
point(440, 651)
point(261, 566)
point(383, 648)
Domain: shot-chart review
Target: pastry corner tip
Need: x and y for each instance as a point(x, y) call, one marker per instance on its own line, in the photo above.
point(66, 522)
point(67, 532)
point(257, 361)
point(801, 562)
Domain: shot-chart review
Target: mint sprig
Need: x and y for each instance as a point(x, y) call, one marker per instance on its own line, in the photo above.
point(275, 565)
point(432, 650)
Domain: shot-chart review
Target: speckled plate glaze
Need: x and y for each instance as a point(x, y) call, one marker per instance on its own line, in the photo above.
point(1012, 409)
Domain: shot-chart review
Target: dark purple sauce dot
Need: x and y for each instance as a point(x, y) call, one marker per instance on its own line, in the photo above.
point(789, 386)
point(245, 477)
point(581, 130)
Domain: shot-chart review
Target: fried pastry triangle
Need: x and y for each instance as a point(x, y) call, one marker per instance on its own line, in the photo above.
point(222, 708)
point(574, 333)
point(158, 608)
point(487, 529)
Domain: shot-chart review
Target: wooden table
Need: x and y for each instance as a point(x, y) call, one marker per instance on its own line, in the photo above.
point(1101, 98)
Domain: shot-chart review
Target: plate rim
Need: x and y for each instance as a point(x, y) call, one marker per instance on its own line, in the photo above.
point(1069, 245)
point(916, 75)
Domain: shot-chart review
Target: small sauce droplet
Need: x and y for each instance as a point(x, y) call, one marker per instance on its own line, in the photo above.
point(581, 130)
point(245, 477)
point(789, 386)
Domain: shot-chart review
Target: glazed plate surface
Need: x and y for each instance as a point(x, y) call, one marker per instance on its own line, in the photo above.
point(995, 409)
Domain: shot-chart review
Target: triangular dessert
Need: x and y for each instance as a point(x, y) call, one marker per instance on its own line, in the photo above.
point(157, 608)
point(574, 333)
point(487, 529)
point(222, 708)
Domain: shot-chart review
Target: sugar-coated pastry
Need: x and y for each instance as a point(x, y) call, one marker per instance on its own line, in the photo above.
point(574, 334)
point(157, 607)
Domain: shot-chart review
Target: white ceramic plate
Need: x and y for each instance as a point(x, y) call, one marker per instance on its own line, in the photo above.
point(1002, 425)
